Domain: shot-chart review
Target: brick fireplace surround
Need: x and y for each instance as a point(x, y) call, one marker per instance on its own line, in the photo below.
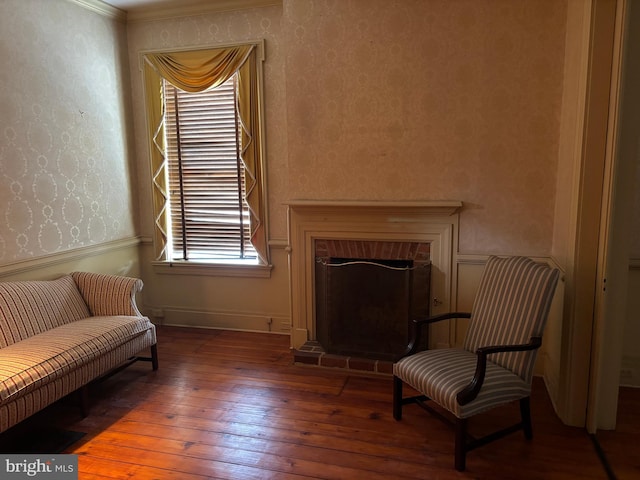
point(350, 225)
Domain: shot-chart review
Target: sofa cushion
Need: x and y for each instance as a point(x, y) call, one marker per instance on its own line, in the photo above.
point(47, 356)
point(32, 307)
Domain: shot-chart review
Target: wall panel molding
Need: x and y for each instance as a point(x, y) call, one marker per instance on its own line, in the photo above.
point(69, 256)
point(481, 259)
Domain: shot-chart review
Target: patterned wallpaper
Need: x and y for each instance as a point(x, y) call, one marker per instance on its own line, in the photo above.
point(64, 181)
point(401, 100)
point(365, 100)
point(210, 30)
point(430, 100)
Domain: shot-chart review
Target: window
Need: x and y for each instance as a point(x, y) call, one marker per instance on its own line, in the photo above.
point(204, 117)
point(209, 218)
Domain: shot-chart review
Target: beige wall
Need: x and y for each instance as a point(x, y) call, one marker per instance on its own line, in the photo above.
point(631, 356)
point(210, 30)
point(116, 258)
point(635, 225)
point(365, 100)
point(65, 182)
point(379, 100)
point(630, 374)
point(478, 101)
point(418, 100)
point(213, 299)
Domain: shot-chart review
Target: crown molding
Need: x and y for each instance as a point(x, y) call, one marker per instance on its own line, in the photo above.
point(102, 8)
point(195, 7)
point(186, 8)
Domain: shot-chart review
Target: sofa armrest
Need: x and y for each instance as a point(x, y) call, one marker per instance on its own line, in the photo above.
point(107, 295)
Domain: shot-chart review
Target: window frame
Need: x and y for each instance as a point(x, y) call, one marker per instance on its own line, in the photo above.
point(262, 266)
point(206, 179)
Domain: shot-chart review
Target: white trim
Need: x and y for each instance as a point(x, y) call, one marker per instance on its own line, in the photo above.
point(218, 269)
point(103, 9)
point(433, 222)
point(67, 256)
point(239, 321)
point(279, 243)
point(429, 207)
point(481, 259)
point(200, 7)
point(615, 226)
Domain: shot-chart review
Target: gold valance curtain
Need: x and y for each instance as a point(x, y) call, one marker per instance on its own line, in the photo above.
point(195, 71)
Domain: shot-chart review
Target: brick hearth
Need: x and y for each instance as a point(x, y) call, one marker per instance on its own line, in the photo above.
point(312, 353)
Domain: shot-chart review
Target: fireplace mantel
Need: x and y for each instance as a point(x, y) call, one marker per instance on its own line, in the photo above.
point(431, 207)
point(435, 222)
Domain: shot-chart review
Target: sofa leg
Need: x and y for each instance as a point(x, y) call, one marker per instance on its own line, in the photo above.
point(84, 400)
point(154, 356)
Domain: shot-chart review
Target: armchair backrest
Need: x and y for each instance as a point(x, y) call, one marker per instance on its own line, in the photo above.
point(511, 306)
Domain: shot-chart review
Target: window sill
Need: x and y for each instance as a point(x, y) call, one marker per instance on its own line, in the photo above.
point(213, 269)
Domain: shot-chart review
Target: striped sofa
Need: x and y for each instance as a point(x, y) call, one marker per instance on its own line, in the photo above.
point(56, 336)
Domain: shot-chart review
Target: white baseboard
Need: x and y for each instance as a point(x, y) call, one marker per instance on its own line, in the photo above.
point(249, 322)
point(630, 371)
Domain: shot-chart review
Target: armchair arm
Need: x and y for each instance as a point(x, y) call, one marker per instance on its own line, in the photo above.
point(418, 323)
point(471, 391)
point(109, 294)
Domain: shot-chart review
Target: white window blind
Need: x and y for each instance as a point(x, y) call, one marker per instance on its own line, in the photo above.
point(209, 219)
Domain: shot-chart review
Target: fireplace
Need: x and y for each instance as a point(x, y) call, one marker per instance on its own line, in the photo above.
point(367, 293)
point(314, 225)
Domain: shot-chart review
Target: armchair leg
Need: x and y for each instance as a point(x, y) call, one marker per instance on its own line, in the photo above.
point(525, 413)
point(461, 444)
point(397, 398)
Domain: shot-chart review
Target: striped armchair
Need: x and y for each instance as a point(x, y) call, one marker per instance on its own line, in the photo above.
point(495, 365)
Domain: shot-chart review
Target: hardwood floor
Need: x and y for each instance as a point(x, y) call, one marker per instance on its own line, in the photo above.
point(621, 446)
point(231, 405)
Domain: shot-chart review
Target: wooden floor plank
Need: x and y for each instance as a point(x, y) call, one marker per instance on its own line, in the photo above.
point(615, 444)
point(231, 405)
point(281, 457)
point(351, 441)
